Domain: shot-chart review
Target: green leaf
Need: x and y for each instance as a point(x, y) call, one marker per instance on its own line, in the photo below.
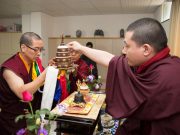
point(37, 116)
point(19, 117)
point(31, 121)
point(44, 111)
point(37, 112)
point(51, 116)
point(29, 116)
point(32, 127)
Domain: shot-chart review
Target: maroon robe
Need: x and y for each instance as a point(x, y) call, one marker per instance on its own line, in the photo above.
point(81, 73)
point(148, 98)
point(10, 104)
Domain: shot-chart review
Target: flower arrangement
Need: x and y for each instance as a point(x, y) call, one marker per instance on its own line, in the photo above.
point(36, 125)
point(93, 83)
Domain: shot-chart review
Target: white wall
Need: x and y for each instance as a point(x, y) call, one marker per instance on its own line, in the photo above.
point(110, 24)
point(26, 21)
point(166, 26)
point(46, 31)
point(41, 24)
point(48, 26)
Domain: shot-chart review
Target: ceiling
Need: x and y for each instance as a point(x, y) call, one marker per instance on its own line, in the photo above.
point(15, 8)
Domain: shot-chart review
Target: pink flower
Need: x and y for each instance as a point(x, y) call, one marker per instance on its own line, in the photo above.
point(91, 67)
point(27, 96)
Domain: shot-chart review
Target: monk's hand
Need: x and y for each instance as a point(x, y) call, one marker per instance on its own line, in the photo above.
point(52, 62)
point(75, 46)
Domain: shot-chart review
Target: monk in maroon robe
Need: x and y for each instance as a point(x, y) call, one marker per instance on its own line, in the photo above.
point(81, 72)
point(148, 98)
point(11, 106)
point(15, 77)
point(142, 85)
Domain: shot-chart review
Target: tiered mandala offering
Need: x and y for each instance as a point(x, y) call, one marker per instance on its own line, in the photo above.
point(65, 65)
point(63, 57)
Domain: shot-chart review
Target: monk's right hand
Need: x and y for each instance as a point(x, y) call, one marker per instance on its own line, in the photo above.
point(75, 46)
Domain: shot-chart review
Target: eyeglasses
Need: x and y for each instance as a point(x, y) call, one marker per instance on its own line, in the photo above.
point(36, 49)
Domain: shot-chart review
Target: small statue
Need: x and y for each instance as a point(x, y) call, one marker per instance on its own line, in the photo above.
point(78, 83)
point(82, 87)
point(78, 101)
point(79, 98)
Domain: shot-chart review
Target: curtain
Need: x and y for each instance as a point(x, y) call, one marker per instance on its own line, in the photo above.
point(174, 38)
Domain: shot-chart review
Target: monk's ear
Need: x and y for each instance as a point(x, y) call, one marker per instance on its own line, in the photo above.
point(23, 47)
point(147, 49)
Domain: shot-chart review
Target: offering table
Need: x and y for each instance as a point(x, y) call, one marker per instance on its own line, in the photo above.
point(77, 123)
